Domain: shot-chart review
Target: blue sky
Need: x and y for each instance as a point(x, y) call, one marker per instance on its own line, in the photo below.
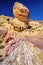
point(35, 7)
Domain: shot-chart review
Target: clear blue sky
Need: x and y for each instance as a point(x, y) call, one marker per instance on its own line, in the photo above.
point(35, 7)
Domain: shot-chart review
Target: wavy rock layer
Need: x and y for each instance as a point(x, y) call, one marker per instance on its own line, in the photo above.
point(25, 54)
